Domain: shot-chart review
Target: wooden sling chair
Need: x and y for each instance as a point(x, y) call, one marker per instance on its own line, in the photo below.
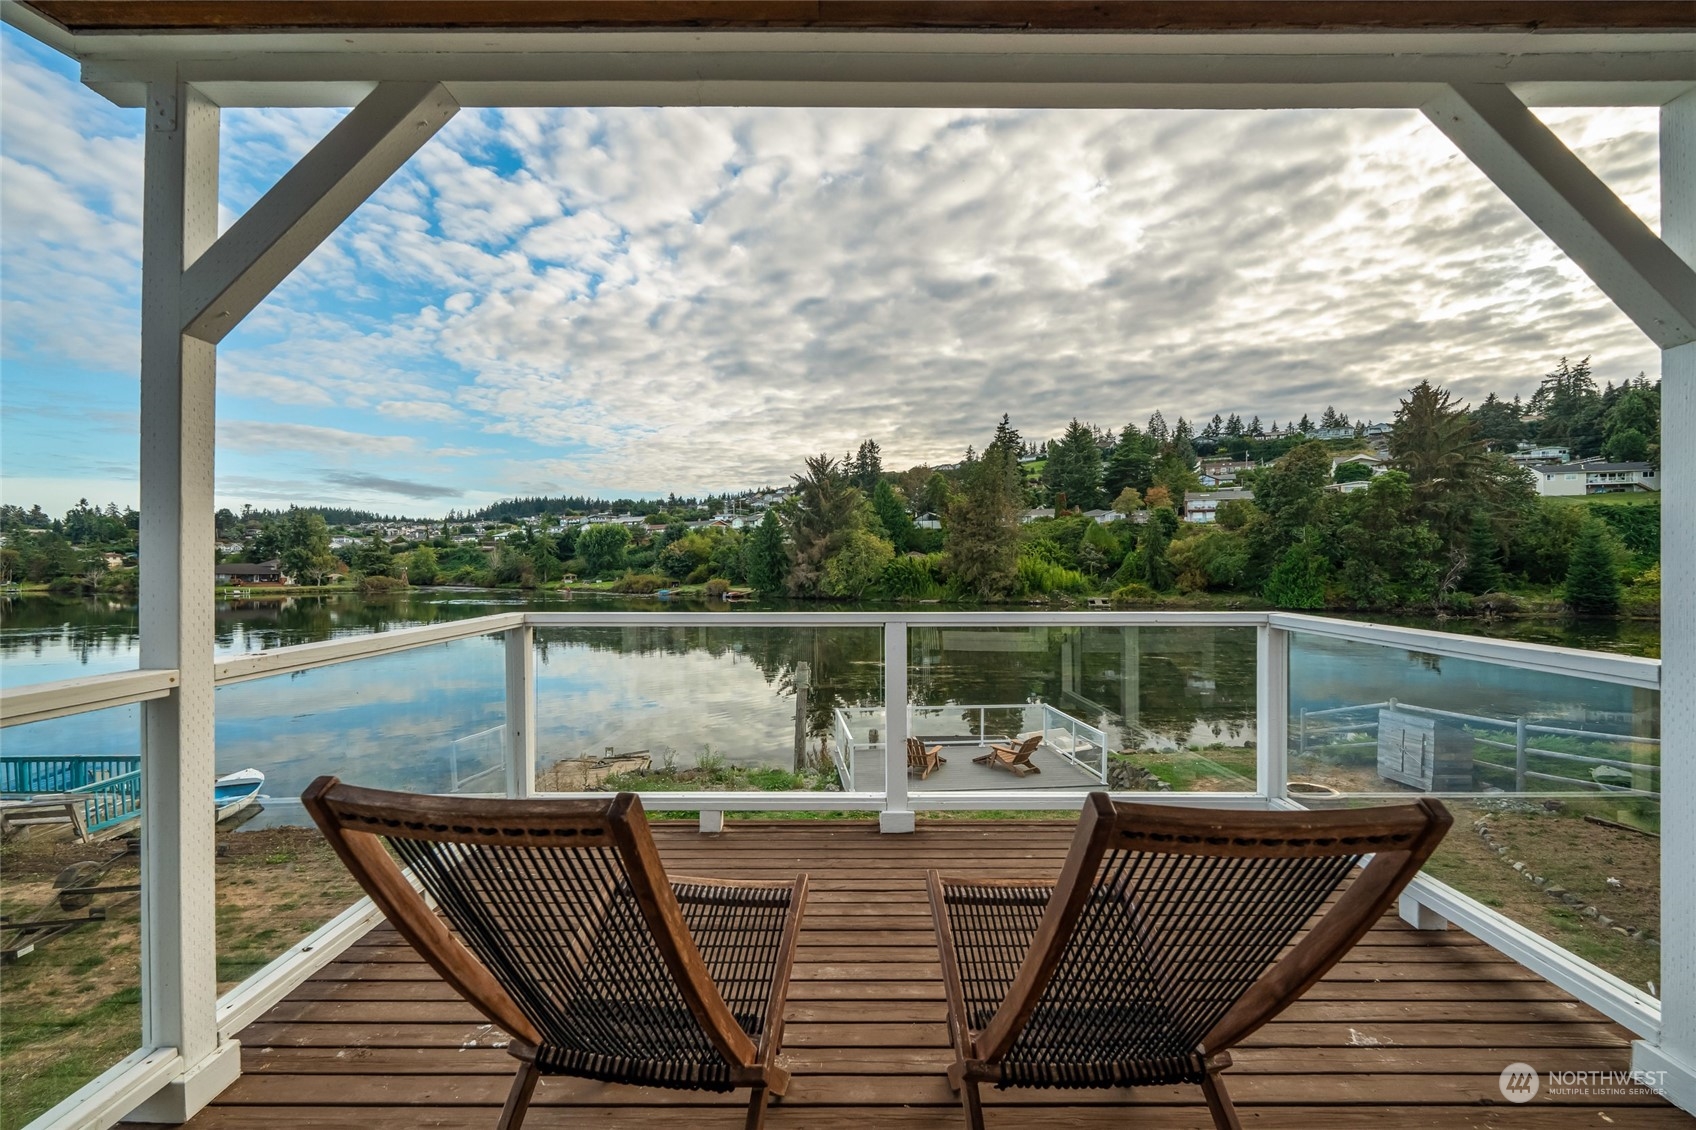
point(1166, 940)
point(1016, 758)
point(558, 923)
point(922, 759)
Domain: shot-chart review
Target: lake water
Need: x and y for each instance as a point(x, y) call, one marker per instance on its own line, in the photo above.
point(431, 719)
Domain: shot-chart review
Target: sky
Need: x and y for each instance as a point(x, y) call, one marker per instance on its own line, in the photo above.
point(630, 302)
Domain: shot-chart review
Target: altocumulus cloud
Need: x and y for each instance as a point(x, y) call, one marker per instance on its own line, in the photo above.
point(689, 298)
point(647, 300)
point(369, 484)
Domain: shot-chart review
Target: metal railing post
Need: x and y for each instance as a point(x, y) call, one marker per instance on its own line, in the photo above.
point(1272, 713)
point(1520, 761)
point(897, 814)
point(520, 736)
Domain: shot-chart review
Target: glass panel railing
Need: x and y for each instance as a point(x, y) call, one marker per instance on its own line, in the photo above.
point(1554, 780)
point(430, 720)
point(687, 708)
point(70, 894)
point(1144, 708)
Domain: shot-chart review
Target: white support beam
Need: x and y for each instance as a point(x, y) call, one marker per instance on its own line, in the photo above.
point(897, 814)
point(1675, 1051)
point(520, 740)
point(311, 200)
point(179, 987)
point(1646, 279)
point(1272, 714)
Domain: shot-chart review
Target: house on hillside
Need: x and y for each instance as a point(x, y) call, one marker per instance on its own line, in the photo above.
point(1221, 472)
point(1595, 476)
point(1529, 456)
point(1377, 464)
point(1102, 517)
point(928, 521)
point(1203, 506)
point(238, 573)
point(1039, 512)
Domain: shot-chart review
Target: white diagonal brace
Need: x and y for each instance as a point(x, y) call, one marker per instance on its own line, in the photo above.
point(311, 200)
point(1645, 278)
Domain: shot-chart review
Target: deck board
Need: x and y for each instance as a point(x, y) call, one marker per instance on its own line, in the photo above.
point(1409, 1033)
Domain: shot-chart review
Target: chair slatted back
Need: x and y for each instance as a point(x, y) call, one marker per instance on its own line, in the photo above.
point(1174, 931)
point(565, 930)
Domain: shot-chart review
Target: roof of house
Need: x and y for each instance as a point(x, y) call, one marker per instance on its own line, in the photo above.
point(241, 569)
point(1218, 496)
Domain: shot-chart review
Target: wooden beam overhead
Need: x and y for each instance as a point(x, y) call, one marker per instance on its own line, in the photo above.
point(1189, 16)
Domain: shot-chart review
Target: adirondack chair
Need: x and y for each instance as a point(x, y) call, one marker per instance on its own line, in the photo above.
point(1015, 758)
point(923, 760)
point(1171, 935)
point(567, 933)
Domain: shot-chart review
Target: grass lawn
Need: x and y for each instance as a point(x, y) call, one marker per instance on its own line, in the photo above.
point(72, 1008)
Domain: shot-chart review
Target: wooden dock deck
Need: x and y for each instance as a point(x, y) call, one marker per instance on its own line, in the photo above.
point(1412, 1031)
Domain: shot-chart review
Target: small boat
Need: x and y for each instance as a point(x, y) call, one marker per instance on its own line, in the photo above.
point(235, 791)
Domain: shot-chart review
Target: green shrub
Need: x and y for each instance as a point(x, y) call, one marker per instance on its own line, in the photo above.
point(717, 586)
point(912, 578)
point(640, 583)
point(1040, 578)
point(1134, 593)
point(377, 585)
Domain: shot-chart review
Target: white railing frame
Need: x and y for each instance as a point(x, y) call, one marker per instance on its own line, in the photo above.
point(1427, 902)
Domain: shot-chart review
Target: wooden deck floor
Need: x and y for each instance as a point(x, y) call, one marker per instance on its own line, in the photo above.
point(1412, 1031)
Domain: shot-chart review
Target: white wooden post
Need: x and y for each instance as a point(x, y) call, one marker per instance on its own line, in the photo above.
point(520, 743)
point(897, 814)
point(1272, 713)
point(1674, 1053)
point(179, 981)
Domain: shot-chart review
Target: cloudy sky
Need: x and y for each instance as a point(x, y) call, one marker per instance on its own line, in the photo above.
point(639, 301)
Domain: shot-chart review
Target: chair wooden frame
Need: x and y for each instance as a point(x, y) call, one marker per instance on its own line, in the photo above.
point(353, 820)
point(1399, 838)
point(923, 760)
point(1014, 758)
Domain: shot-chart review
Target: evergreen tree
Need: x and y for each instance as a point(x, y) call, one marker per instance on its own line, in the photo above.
point(867, 468)
point(1298, 580)
point(897, 523)
point(763, 556)
point(983, 520)
point(1154, 568)
point(1305, 425)
point(826, 508)
point(1592, 580)
point(1074, 467)
point(1130, 465)
point(1483, 573)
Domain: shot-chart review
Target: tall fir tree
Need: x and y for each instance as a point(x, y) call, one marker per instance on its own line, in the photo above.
point(1592, 580)
point(983, 519)
point(763, 557)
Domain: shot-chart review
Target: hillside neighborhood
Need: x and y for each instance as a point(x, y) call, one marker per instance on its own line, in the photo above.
point(1444, 505)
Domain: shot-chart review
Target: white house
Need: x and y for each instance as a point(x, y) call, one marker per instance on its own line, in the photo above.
point(1104, 516)
point(1373, 462)
point(1593, 476)
point(1204, 506)
point(928, 521)
point(1528, 456)
point(1033, 515)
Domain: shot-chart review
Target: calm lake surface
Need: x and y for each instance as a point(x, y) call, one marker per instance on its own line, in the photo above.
point(432, 718)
